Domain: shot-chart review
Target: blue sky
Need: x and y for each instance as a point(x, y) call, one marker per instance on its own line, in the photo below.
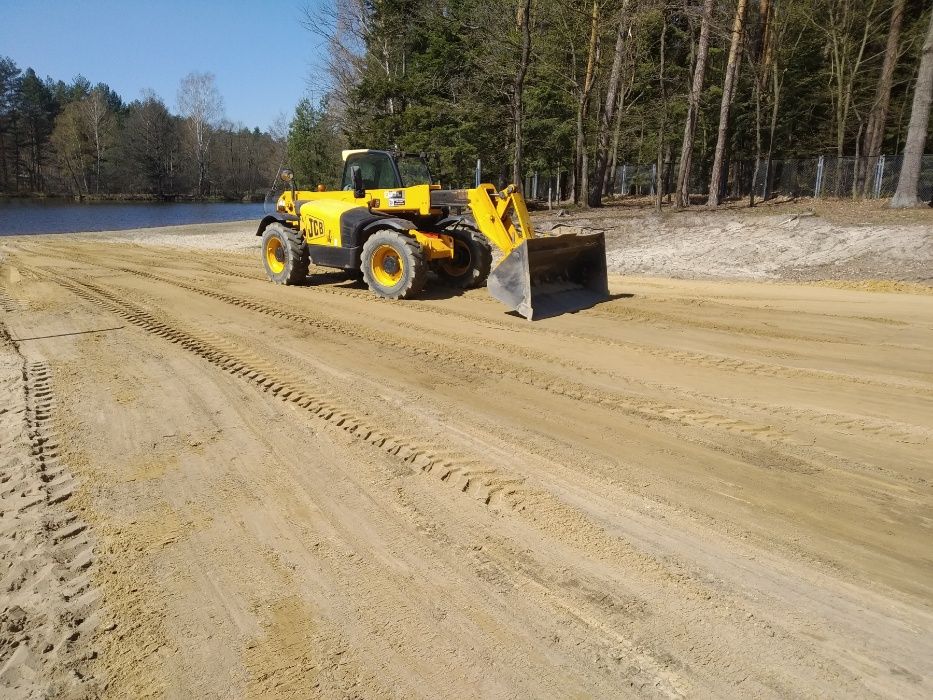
point(261, 54)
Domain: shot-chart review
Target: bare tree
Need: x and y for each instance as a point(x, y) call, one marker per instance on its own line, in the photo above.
point(878, 116)
point(100, 124)
point(906, 194)
point(840, 21)
point(780, 46)
point(344, 26)
point(693, 108)
point(728, 89)
point(200, 102)
point(609, 111)
point(69, 142)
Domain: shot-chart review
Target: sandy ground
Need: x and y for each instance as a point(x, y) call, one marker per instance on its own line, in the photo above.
point(799, 241)
point(215, 487)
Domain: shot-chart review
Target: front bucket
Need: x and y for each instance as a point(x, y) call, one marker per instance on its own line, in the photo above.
point(550, 276)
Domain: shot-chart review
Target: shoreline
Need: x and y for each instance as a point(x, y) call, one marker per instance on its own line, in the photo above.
point(131, 198)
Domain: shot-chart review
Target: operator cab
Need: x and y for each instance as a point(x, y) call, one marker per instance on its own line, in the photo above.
point(385, 170)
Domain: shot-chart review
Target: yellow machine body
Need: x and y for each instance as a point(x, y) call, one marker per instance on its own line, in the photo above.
point(536, 276)
point(320, 222)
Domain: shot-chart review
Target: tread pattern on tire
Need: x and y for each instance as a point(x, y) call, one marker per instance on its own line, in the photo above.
point(297, 259)
point(482, 254)
point(415, 278)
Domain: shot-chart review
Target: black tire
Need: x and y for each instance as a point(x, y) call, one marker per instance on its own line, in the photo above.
point(393, 265)
point(472, 259)
point(285, 255)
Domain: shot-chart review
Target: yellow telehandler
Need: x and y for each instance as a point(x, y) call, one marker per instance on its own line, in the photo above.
point(391, 225)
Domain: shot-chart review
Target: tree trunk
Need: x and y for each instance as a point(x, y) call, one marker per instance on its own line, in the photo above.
point(609, 177)
point(658, 189)
point(583, 100)
point(874, 132)
point(524, 26)
point(696, 91)
point(762, 58)
point(732, 69)
point(845, 69)
point(906, 195)
point(608, 115)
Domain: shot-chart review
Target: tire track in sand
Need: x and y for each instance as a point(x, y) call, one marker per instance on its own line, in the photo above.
point(467, 476)
point(49, 610)
point(723, 363)
point(491, 485)
point(649, 410)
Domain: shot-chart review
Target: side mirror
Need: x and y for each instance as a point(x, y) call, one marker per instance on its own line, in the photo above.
point(286, 175)
point(356, 176)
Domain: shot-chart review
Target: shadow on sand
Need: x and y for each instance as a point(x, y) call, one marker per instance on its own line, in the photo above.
point(436, 291)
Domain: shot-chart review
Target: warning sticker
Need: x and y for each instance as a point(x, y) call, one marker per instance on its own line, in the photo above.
point(395, 198)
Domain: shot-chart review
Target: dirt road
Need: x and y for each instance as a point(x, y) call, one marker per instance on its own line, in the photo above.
point(216, 487)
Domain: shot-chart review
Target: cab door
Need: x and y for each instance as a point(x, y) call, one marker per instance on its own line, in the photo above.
point(377, 168)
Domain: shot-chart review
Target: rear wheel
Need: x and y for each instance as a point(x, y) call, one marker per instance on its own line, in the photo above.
point(471, 262)
point(393, 265)
point(284, 255)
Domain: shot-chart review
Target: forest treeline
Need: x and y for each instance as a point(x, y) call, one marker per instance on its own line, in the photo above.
point(709, 90)
point(80, 139)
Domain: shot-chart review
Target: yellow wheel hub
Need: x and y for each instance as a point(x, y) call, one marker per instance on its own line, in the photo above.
point(275, 255)
point(387, 266)
point(460, 263)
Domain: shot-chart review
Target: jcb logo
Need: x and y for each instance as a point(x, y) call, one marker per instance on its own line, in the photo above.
point(315, 228)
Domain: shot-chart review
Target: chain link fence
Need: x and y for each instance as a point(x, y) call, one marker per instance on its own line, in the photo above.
point(823, 176)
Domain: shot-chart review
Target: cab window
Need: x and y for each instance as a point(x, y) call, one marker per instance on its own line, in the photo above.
point(414, 171)
point(377, 169)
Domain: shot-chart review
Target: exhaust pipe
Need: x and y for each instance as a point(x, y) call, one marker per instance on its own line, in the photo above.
point(549, 276)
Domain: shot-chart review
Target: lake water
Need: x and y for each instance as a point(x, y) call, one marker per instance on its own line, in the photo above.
point(52, 216)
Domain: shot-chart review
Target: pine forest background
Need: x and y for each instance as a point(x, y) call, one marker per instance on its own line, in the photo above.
point(569, 90)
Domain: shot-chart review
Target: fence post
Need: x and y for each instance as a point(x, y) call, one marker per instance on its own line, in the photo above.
point(549, 197)
point(534, 185)
point(559, 193)
point(624, 188)
point(654, 178)
point(817, 188)
point(879, 175)
point(479, 172)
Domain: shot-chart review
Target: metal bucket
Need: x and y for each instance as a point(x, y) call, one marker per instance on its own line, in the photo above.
point(550, 276)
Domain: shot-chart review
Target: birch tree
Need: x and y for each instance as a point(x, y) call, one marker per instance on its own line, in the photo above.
point(100, 125)
point(201, 104)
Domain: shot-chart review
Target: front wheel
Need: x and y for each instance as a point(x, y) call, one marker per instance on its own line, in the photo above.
point(393, 265)
point(284, 255)
point(471, 262)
